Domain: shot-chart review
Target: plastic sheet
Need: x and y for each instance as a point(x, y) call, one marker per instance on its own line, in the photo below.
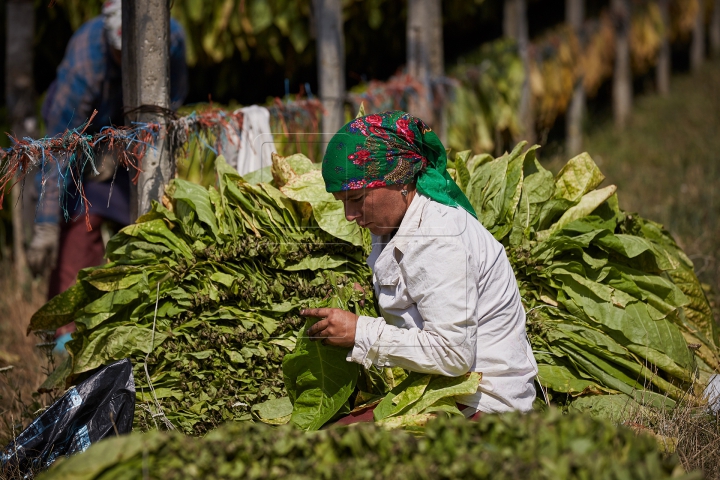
point(99, 407)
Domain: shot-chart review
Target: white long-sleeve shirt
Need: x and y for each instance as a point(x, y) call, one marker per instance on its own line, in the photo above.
point(450, 304)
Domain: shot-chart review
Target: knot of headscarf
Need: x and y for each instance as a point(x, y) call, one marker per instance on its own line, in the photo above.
point(390, 148)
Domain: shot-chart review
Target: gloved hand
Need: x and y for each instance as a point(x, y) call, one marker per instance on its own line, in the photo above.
point(43, 249)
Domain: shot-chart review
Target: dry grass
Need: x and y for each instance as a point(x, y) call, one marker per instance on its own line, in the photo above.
point(24, 364)
point(688, 430)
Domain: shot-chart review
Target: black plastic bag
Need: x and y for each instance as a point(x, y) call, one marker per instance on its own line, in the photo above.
point(99, 407)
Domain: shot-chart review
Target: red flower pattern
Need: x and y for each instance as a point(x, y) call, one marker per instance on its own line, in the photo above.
point(374, 120)
point(379, 131)
point(360, 157)
point(403, 126)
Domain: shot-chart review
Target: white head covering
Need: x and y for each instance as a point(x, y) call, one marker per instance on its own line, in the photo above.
point(112, 18)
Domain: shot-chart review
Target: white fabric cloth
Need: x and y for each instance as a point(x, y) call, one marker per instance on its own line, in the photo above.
point(112, 21)
point(450, 304)
point(254, 148)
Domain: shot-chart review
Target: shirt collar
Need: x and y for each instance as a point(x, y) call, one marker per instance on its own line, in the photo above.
point(410, 222)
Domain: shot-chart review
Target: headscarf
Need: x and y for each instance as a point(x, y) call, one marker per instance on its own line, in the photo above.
point(112, 21)
point(390, 148)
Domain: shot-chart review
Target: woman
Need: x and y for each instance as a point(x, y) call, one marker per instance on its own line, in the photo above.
point(446, 291)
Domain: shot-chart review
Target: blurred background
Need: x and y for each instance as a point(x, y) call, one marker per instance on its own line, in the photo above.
point(635, 83)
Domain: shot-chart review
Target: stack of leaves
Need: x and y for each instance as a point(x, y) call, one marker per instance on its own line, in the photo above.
point(554, 68)
point(203, 294)
point(613, 303)
point(510, 446)
point(484, 107)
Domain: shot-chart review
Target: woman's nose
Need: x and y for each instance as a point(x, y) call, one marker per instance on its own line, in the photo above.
point(352, 214)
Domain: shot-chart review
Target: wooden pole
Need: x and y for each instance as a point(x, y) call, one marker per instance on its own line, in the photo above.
point(574, 16)
point(146, 82)
point(331, 64)
point(515, 26)
point(715, 30)
point(20, 101)
point(662, 70)
point(422, 54)
point(697, 47)
point(622, 74)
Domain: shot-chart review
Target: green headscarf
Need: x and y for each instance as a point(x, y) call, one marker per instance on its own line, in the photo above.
point(390, 148)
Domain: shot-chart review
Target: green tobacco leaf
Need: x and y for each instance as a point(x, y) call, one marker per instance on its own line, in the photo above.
point(60, 310)
point(115, 343)
point(318, 380)
point(116, 278)
point(406, 421)
point(461, 159)
point(418, 392)
point(588, 203)
point(156, 231)
point(405, 394)
point(274, 412)
point(486, 190)
point(198, 198)
point(577, 178)
point(697, 311)
point(561, 379)
point(116, 450)
point(443, 387)
point(328, 212)
point(611, 407)
point(324, 262)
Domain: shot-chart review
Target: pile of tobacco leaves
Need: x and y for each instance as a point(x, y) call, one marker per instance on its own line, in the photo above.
point(203, 294)
point(613, 303)
point(205, 290)
point(510, 446)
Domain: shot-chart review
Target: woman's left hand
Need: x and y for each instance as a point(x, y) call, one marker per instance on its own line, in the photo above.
point(336, 327)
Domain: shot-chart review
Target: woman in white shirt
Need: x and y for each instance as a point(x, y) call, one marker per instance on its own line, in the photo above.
point(445, 288)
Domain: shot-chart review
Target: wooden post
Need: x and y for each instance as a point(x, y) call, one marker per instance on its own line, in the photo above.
point(146, 81)
point(622, 74)
point(697, 47)
point(574, 16)
point(20, 101)
point(515, 26)
point(662, 70)
point(715, 30)
point(331, 64)
point(424, 55)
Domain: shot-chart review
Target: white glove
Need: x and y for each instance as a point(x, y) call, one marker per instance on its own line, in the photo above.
point(42, 252)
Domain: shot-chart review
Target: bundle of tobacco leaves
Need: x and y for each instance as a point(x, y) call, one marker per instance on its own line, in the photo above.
point(203, 294)
point(613, 303)
point(509, 446)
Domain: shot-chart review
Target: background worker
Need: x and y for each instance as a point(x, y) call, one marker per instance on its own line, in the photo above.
point(89, 78)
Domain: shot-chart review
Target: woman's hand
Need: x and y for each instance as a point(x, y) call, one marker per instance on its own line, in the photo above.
point(337, 327)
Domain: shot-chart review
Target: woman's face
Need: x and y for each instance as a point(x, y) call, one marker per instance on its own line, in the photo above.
point(380, 209)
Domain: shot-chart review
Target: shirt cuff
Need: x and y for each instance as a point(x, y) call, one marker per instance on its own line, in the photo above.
point(367, 333)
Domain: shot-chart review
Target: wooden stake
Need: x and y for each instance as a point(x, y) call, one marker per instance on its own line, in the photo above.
point(331, 64)
point(662, 70)
point(574, 16)
point(697, 47)
point(622, 74)
point(515, 26)
point(20, 101)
